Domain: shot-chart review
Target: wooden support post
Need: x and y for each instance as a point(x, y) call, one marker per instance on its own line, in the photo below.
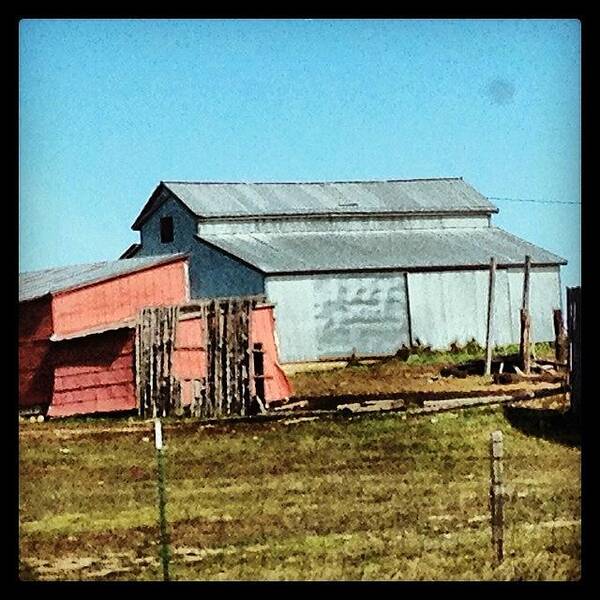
point(525, 353)
point(561, 348)
point(526, 277)
point(497, 494)
point(489, 338)
point(408, 313)
point(525, 347)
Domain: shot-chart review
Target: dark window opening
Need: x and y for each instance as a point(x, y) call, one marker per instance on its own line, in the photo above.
point(166, 230)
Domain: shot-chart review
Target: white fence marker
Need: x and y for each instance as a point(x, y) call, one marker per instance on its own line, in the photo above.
point(158, 441)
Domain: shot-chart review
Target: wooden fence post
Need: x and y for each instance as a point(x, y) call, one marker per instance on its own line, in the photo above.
point(489, 338)
point(574, 326)
point(561, 349)
point(497, 494)
point(525, 346)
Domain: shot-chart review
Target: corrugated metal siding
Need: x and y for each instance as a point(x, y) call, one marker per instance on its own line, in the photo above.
point(325, 316)
point(449, 306)
point(36, 284)
point(337, 224)
point(345, 251)
point(544, 299)
point(452, 306)
point(414, 196)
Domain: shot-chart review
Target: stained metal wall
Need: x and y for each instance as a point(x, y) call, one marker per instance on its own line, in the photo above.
point(448, 306)
point(322, 316)
point(452, 306)
point(545, 296)
point(219, 226)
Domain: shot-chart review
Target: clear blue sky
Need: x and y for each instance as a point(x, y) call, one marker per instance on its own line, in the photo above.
point(109, 108)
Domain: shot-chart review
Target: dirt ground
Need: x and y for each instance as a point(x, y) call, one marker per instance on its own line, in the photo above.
point(396, 377)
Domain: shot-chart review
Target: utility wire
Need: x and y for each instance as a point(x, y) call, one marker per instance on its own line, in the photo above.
point(534, 201)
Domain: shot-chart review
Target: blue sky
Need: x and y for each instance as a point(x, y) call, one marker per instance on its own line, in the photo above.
point(109, 108)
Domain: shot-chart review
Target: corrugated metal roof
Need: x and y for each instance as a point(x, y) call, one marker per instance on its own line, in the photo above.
point(344, 251)
point(36, 284)
point(256, 199)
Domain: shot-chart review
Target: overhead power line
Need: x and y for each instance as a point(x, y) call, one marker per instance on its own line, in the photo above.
point(533, 200)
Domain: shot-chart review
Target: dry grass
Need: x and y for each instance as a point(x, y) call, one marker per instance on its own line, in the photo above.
point(366, 498)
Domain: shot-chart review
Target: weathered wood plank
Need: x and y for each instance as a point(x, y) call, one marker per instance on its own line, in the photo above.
point(489, 338)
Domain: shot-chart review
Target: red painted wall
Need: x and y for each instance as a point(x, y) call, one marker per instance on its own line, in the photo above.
point(189, 360)
point(35, 365)
point(277, 385)
point(94, 374)
point(119, 299)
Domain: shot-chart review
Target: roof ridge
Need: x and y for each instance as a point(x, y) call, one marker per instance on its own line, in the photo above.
point(314, 182)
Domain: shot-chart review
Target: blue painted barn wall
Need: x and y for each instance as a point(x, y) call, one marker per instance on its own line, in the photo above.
point(212, 273)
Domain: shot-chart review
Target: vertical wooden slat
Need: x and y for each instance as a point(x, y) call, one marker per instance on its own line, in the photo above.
point(224, 355)
point(235, 357)
point(248, 352)
point(220, 365)
point(136, 366)
point(561, 349)
point(210, 362)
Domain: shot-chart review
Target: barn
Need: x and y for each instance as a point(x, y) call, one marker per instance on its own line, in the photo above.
point(367, 265)
point(84, 347)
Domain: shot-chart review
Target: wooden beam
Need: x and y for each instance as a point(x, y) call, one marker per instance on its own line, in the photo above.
point(489, 338)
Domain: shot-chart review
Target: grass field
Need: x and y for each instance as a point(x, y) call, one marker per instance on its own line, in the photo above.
point(377, 497)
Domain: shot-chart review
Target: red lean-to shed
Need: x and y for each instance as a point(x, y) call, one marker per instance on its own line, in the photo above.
point(77, 335)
